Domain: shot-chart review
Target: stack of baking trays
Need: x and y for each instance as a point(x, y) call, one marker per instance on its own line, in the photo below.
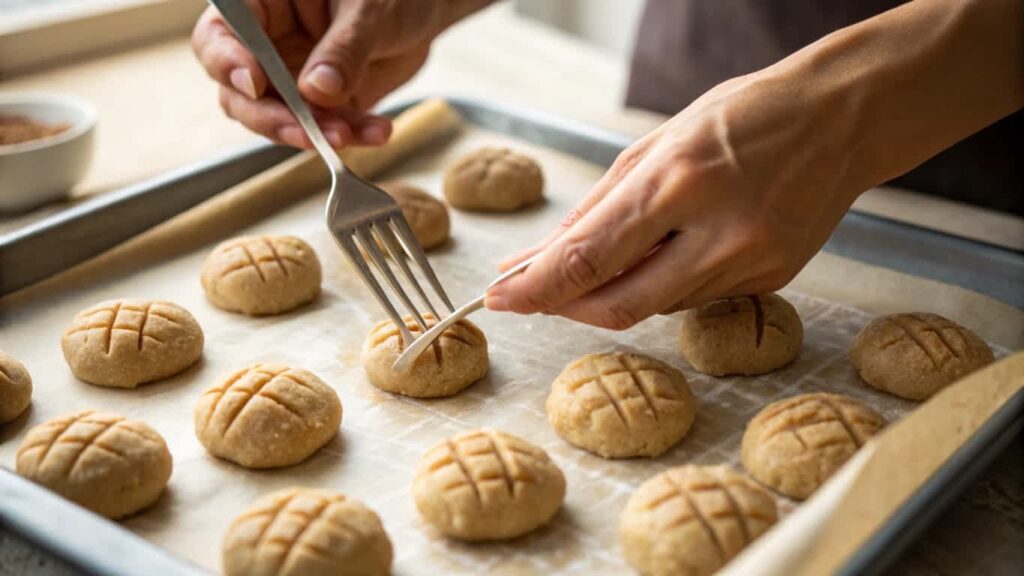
point(811, 431)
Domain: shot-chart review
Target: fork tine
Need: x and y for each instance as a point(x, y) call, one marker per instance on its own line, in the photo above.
point(394, 248)
point(412, 247)
point(348, 246)
point(365, 236)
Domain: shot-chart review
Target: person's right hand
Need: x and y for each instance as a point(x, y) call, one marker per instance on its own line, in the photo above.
point(346, 55)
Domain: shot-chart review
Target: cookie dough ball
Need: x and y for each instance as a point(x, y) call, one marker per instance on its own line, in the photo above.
point(795, 445)
point(916, 355)
point(493, 180)
point(691, 520)
point(455, 360)
point(745, 335)
point(260, 275)
point(124, 343)
point(15, 388)
point(307, 532)
point(267, 416)
point(620, 405)
point(426, 215)
point(101, 461)
point(487, 485)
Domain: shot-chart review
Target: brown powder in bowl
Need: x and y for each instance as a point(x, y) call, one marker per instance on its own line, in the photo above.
point(17, 129)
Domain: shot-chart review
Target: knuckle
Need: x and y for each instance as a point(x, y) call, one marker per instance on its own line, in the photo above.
point(580, 269)
point(618, 316)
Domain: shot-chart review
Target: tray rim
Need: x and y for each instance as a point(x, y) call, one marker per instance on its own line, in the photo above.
point(899, 531)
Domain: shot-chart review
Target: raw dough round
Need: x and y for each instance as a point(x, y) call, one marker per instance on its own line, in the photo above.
point(745, 335)
point(124, 343)
point(691, 520)
point(101, 461)
point(266, 416)
point(259, 275)
point(426, 215)
point(915, 355)
point(620, 405)
point(493, 180)
point(306, 532)
point(487, 485)
point(794, 445)
point(457, 359)
point(15, 388)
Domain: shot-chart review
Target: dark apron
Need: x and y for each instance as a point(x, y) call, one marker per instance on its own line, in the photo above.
point(686, 47)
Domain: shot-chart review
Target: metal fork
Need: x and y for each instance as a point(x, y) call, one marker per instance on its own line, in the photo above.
point(358, 213)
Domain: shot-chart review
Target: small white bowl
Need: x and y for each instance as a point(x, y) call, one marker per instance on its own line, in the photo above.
point(39, 171)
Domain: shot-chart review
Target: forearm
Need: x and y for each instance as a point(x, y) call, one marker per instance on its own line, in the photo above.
point(914, 80)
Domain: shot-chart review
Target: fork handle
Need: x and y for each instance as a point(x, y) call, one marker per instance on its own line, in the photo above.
point(248, 29)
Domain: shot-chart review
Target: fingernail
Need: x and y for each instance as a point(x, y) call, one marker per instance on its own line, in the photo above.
point(326, 79)
point(334, 137)
point(496, 302)
point(374, 134)
point(242, 80)
point(290, 135)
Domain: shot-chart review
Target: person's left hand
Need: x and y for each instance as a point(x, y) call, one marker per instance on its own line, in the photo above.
point(730, 197)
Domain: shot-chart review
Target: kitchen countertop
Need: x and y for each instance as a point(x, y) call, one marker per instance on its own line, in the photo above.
point(158, 111)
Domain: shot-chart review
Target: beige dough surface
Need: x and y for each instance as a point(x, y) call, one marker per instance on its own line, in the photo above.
point(620, 405)
point(15, 387)
point(124, 343)
point(457, 359)
point(267, 416)
point(487, 485)
point(493, 180)
point(917, 354)
point(795, 445)
point(426, 215)
point(99, 460)
point(307, 532)
point(690, 520)
point(746, 335)
point(258, 275)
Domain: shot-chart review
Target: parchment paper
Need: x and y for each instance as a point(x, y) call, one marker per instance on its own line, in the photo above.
point(383, 436)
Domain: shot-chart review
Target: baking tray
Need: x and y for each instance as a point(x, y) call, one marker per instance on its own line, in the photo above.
point(92, 545)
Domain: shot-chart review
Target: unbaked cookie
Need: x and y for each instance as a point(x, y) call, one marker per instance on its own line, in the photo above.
point(745, 335)
point(307, 532)
point(915, 355)
point(15, 388)
point(493, 180)
point(620, 405)
point(487, 485)
point(794, 445)
point(691, 520)
point(266, 416)
point(426, 215)
point(259, 275)
point(101, 461)
point(455, 360)
point(124, 343)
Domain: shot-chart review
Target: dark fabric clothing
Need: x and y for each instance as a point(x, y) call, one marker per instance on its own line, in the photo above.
point(686, 47)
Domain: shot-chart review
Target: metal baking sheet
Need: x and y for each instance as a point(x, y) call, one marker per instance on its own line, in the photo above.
point(95, 546)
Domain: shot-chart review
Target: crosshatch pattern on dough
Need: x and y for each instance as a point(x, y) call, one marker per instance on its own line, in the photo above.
point(121, 323)
point(943, 342)
point(292, 528)
point(490, 465)
point(633, 386)
point(264, 256)
point(64, 445)
point(834, 420)
point(461, 333)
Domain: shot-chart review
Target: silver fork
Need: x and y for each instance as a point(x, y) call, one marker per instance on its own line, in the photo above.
point(358, 213)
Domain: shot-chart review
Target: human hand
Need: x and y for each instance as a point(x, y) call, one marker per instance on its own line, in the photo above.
point(730, 197)
point(347, 55)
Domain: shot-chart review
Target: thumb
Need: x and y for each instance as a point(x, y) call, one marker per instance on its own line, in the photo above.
point(337, 64)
